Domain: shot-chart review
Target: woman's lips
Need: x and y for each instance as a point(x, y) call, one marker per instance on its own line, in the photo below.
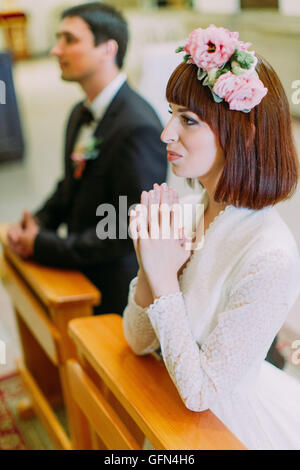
point(172, 156)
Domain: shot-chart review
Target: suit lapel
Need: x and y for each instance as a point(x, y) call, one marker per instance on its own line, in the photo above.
point(73, 130)
point(106, 125)
point(105, 129)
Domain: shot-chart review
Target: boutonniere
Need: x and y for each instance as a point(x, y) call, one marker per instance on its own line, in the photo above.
point(81, 154)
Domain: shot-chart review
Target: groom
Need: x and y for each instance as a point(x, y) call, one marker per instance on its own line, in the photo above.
point(112, 149)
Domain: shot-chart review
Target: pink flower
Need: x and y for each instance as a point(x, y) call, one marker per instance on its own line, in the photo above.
point(76, 157)
point(243, 46)
point(211, 47)
point(240, 91)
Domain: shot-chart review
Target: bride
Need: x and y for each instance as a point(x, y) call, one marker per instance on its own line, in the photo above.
point(214, 311)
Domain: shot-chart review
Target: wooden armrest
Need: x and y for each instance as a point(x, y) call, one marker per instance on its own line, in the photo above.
point(144, 388)
point(53, 286)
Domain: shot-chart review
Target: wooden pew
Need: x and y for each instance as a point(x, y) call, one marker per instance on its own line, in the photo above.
point(44, 301)
point(125, 397)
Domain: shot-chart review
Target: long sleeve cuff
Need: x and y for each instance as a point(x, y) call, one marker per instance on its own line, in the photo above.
point(137, 327)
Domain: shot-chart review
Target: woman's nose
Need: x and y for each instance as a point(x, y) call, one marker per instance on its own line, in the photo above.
point(169, 134)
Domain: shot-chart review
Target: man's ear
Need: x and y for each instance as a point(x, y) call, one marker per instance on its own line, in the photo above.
point(109, 49)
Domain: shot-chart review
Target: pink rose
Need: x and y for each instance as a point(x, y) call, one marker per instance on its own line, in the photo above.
point(76, 157)
point(211, 47)
point(240, 91)
point(243, 46)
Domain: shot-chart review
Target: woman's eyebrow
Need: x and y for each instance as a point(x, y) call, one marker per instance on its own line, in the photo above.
point(182, 110)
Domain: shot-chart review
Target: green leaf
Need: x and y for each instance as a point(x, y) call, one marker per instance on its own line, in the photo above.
point(180, 49)
point(237, 70)
point(216, 97)
point(91, 155)
point(201, 73)
point(243, 58)
point(221, 71)
point(92, 148)
point(186, 58)
point(205, 81)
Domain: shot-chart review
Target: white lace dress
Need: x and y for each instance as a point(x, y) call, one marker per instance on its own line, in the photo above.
point(235, 293)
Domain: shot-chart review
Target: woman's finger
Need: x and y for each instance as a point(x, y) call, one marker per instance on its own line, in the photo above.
point(133, 226)
point(176, 221)
point(144, 198)
point(142, 221)
point(153, 213)
point(164, 212)
point(145, 203)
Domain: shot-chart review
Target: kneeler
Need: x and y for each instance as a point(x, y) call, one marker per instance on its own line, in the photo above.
point(126, 398)
point(45, 300)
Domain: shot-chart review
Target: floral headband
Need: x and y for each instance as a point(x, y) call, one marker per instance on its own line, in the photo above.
point(225, 66)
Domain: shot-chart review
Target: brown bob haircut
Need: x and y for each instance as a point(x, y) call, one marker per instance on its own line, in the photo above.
point(261, 165)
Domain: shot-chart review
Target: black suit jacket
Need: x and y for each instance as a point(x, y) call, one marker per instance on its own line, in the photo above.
point(131, 159)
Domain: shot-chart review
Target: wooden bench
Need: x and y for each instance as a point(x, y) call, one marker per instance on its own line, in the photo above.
point(125, 397)
point(44, 301)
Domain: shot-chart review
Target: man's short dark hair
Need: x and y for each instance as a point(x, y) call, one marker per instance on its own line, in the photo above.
point(105, 22)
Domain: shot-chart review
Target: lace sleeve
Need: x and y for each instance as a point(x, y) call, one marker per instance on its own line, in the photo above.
point(255, 310)
point(137, 328)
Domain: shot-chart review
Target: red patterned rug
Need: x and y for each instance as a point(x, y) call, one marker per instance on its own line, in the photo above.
point(17, 433)
point(11, 391)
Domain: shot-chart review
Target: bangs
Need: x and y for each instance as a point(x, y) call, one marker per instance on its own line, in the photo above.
point(186, 90)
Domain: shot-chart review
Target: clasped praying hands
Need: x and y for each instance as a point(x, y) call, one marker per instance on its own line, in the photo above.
point(159, 239)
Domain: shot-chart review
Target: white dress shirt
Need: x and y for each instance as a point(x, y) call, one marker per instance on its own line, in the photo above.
point(98, 107)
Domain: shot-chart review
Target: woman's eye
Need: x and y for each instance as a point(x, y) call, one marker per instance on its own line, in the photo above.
point(188, 121)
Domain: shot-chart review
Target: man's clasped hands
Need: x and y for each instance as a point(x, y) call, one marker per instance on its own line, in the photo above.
point(21, 236)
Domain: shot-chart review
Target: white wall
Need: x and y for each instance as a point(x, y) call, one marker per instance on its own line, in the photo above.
point(289, 7)
point(217, 6)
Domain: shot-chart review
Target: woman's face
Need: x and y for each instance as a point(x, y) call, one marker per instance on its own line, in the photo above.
point(193, 148)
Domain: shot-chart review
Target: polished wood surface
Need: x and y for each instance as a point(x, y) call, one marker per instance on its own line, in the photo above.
point(45, 300)
point(31, 311)
point(106, 421)
point(142, 387)
point(53, 286)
